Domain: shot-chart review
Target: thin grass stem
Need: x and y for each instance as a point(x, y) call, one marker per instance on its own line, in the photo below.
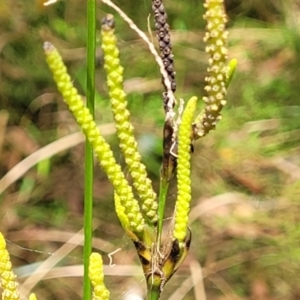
point(89, 157)
point(163, 192)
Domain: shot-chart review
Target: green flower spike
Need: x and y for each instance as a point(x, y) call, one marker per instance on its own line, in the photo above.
point(96, 275)
point(128, 143)
point(8, 283)
point(183, 172)
point(101, 148)
point(216, 39)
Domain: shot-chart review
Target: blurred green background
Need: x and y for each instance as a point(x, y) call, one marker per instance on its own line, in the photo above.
point(246, 174)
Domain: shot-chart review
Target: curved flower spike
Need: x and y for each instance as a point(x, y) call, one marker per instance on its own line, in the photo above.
point(216, 38)
point(182, 207)
point(90, 129)
point(128, 143)
point(8, 283)
point(97, 276)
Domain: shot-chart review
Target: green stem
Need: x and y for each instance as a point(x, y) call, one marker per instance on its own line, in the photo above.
point(89, 157)
point(153, 293)
point(88, 211)
point(163, 191)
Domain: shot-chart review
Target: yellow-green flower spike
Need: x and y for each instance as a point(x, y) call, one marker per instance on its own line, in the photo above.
point(8, 283)
point(32, 297)
point(92, 132)
point(128, 143)
point(182, 207)
point(216, 81)
point(97, 277)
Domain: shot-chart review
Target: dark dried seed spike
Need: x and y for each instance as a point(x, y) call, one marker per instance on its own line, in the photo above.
point(108, 23)
point(165, 46)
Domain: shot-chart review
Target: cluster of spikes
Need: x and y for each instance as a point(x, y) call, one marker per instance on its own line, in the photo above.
point(142, 216)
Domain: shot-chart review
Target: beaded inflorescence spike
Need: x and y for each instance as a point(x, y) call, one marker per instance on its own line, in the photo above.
point(125, 130)
point(216, 40)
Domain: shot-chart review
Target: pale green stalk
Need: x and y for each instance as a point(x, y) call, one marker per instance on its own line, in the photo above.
point(89, 155)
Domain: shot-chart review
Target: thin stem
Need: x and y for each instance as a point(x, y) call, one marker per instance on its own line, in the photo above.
point(153, 293)
point(89, 158)
point(163, 191)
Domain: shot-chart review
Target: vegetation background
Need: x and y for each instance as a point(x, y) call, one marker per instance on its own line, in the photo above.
point(246, 174)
